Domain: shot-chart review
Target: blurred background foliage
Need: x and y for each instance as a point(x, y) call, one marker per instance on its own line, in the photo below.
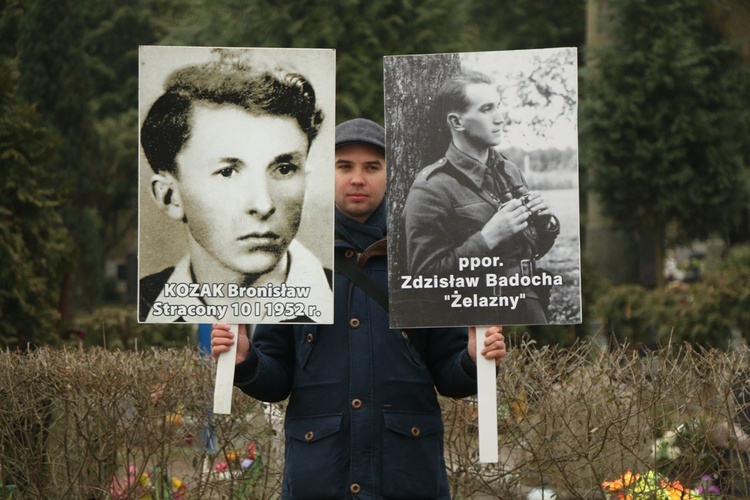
point(664, 120)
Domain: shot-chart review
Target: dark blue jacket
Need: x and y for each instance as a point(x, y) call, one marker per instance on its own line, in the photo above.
point(363, 419)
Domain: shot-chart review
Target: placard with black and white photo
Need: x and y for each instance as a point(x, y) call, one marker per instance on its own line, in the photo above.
point(482, 156)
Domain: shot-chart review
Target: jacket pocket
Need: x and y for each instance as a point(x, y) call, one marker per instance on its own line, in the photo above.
point(413, 465)
point(472, 217)
point(315, 465)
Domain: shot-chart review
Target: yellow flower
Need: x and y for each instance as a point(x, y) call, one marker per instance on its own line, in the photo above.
point(174, 419)
point(179, 489)
point(145, 480)
point(629, 478)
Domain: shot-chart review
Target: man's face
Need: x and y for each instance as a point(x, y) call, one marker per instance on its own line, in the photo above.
point(482, 120)
point(360, 180)
point(241, 182)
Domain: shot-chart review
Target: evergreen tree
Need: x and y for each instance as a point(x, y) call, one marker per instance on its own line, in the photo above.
point(115, 29)
point(528, 24)
point(34, 244)
point(55, 78)
point(665, 127)
point(361, 32)
point(78, 65)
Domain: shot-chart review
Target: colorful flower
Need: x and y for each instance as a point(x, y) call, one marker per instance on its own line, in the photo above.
point(141, 485)
point(707, 488)
point(179, 490)
point(652, 486)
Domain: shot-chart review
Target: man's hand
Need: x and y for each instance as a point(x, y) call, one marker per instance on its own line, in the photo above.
point(222, 341)
point(539, 209)
point(536, 204)
point(494, 344)
point(510, 220)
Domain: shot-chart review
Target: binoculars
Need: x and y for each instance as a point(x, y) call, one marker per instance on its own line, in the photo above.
point(548, 222)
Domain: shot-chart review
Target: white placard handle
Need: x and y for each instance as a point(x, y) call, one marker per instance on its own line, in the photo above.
point(486, 402)
point(225, 377)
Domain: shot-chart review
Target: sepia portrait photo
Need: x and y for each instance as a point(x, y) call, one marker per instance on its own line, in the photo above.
point(235, 185)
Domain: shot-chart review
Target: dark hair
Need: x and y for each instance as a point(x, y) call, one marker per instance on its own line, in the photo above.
point(275, 92)
point(450, 98)
point(452, 94)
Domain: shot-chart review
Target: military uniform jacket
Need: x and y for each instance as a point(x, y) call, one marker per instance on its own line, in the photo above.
point(449, 203)
point(363, 419)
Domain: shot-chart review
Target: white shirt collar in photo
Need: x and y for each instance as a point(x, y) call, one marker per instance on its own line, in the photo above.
point(305, 274)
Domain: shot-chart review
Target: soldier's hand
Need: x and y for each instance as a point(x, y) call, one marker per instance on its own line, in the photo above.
point(222, 340)
point(536, 204)
point(511, 219)
point(543, 216)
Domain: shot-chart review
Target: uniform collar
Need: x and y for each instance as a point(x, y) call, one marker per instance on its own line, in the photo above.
point(472, 168)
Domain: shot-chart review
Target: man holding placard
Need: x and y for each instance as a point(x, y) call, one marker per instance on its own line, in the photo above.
point(363, 418)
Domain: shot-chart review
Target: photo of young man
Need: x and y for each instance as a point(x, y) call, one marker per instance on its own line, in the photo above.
point(228, 143)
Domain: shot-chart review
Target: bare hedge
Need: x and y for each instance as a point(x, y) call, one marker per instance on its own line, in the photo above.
point(78, 423)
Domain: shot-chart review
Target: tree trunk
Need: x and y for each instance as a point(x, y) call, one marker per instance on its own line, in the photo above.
point(651, 255)
point(732, 17)
point(610, 250)
point(411, 83)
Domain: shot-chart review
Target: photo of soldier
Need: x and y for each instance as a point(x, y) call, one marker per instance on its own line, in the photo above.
point(473, 228)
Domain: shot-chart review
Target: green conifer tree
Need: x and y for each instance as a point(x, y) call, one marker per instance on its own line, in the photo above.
point(665, 126)
point(34, 244)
